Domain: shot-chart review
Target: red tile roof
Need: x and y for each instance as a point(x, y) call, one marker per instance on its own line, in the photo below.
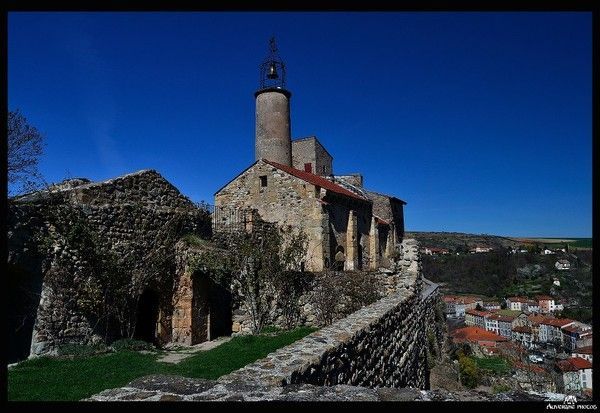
point(577, 329)
point(478, 313)
point(475, 334)
point(518, 299)
point(505, 318)
point(557, 322)
point(583, 350)
point(315, 180)
point(543, 297)
point(574, 364)
point(536, 319)
point(522, 329)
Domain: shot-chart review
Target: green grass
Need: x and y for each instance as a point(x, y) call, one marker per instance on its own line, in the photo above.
point(508, 312)
point(498, 365)
point(47, 378)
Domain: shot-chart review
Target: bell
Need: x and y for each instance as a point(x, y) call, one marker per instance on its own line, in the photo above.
point(272, 72)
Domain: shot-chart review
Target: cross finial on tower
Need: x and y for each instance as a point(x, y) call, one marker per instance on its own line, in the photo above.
point(273, 45)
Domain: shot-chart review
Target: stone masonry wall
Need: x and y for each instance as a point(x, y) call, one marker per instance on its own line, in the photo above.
point(286, 200)
point(309, 150)
point(126, 214)
point(380, 345)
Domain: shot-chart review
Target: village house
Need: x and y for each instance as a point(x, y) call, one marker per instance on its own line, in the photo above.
point(576, 335)
point(551, 330)
point(530, 377)
point(457, 305)
point(534, 323)
point(516, 303)
point(476, 318)
point(523, 335)
point(562, 265)
point(434, 251)
point(575, 374)
point(477, 336)
point(545, 303)
point(479, 249)
point(584, 353)
point(532, 307)
point(547, 251)
point(491, 305)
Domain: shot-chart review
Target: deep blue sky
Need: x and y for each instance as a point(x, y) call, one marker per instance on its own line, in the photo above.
point(480, 121)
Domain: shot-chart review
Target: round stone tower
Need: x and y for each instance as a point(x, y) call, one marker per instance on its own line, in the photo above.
point(273, 127)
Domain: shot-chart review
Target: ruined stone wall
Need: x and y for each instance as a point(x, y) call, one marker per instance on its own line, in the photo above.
point(286, 200)
point(125, 215)
point(383, 344)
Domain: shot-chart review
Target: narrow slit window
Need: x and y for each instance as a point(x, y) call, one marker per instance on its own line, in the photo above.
point(263, 181)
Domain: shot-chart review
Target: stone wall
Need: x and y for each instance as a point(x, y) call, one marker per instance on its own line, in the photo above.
point(125, 216)
point(383, 344)
point(174, 388)
point(286, 200)
point(310, 150)
point(390, 209)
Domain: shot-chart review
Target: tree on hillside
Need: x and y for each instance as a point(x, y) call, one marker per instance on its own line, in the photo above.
point(25, 146)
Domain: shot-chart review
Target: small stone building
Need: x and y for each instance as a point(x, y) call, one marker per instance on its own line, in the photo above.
point(128, 216)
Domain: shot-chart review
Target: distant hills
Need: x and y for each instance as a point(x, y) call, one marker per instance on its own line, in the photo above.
point(454, 241)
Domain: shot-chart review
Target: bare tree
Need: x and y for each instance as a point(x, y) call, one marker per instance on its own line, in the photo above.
point(25, 146)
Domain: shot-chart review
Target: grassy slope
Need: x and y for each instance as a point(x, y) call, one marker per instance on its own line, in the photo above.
point(74, 379)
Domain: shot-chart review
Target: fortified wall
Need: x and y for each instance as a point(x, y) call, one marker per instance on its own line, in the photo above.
point(123, 217)
point(383, 345)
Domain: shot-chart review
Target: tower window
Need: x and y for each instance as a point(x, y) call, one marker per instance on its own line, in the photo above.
point(263, 181)
point(308, 167)
point(324, 169)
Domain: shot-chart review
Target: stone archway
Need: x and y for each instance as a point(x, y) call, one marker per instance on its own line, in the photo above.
point(147, 316)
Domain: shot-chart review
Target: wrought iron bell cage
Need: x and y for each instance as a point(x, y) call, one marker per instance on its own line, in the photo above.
point(272, 69)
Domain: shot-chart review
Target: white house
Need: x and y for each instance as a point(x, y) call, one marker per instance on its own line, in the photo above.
point(562, 265)
point(516, 303)
point(576, 375)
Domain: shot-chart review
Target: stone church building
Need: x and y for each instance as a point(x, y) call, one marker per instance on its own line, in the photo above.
point(292, 183)
point(64, 242)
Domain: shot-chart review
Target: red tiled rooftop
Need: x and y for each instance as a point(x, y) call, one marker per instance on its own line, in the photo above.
point(577, 329)
point(536, 319)
point(518, 299)
point(316, 180)
point(522, 329)
point(475, 334)
point(557, 322)
point(478, 313)
point(574, 364)
point(543, 297)
point(500, 317)
point(584, 350)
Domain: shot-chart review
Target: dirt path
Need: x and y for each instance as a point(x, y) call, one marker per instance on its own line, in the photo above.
point(178, 353)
